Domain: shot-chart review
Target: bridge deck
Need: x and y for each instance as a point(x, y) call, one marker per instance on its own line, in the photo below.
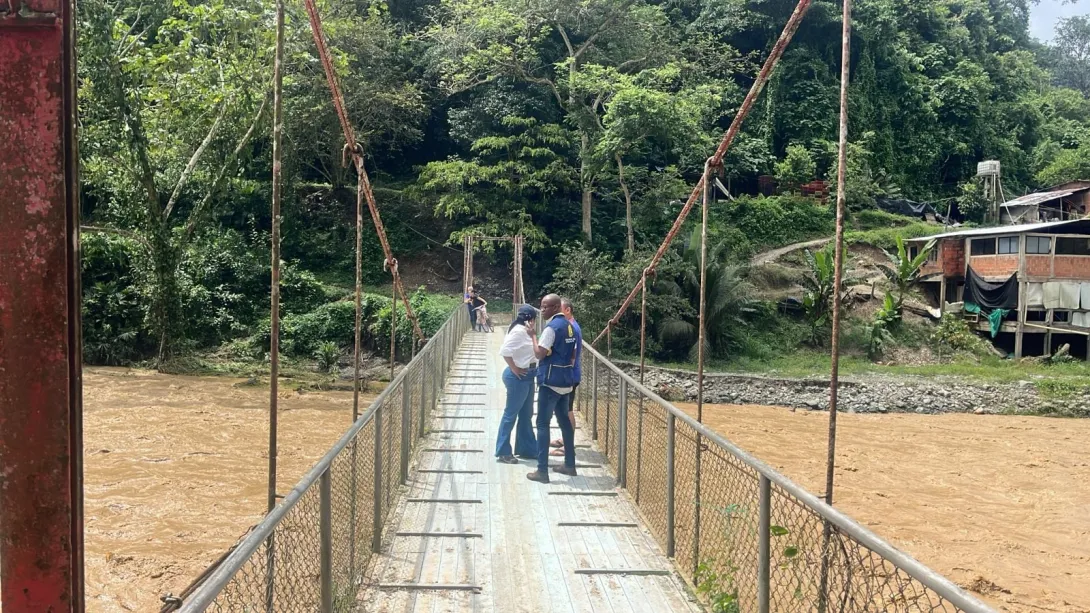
point(503, 548)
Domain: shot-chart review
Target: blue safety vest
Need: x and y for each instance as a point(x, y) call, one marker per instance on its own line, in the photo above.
point(558, 368)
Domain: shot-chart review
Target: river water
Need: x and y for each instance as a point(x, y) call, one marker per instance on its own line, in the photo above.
point(997, 503)
point(176, 472)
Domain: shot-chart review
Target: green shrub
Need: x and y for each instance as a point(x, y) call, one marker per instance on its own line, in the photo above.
point(431, 311)
point(303, 334)
point(954, 333)
point(328, 355)
point(778, 220)
point(875, 219)
point(300, 290)
point(114, 309)
point(797, 167)
point(886, 238)
point(224, 287)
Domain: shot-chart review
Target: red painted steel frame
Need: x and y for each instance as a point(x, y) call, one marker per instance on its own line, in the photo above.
point(41, 471)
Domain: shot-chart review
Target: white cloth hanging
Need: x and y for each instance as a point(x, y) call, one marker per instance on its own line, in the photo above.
point(1069, 295)
point(1035, 295)
point(1084, 298)
point(1051, 295)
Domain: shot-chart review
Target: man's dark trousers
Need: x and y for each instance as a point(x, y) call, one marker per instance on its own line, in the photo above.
point(548, 403)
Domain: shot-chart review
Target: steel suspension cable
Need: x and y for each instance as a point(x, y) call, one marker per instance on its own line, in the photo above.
point(354, 149)
point(717, 158)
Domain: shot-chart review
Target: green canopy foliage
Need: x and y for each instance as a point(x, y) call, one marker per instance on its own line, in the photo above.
point(568, 122)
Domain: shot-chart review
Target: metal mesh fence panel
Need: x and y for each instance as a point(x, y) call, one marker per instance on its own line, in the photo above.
point(729, 502)
point(612, 425)
point(310, 553)
point(650, 488)
point(817, 560)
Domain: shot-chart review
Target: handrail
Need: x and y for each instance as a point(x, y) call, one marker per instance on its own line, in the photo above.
point(210, 589)
point(928, 577)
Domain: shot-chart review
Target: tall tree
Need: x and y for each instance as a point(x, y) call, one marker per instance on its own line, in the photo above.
point(172, 97)
point(547, 43)
point(647, 114)
point(1073, 48)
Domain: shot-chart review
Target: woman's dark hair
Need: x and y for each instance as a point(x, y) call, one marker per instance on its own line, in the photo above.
point(526, 313)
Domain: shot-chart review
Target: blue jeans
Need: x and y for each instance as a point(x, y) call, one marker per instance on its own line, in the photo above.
point(520, 407)
point(548, 403)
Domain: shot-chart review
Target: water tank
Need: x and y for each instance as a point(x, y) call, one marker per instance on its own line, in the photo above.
point(989, 168)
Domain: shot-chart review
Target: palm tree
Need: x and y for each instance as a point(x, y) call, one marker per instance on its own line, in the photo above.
point(729, 297)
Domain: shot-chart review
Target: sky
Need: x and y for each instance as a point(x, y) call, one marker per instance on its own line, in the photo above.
point(1043, 17)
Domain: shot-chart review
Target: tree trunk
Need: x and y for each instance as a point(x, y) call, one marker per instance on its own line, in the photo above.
point(165, 260)
point(586, 183)
point(627, 205)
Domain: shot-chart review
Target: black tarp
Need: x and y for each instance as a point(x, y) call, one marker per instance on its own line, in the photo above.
point(907, 208)
point(991, 296)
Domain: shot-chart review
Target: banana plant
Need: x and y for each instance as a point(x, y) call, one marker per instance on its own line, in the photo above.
point(903, 272)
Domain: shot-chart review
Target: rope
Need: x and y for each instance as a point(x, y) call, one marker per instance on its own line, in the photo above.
point(355, 150)
point(717, 158)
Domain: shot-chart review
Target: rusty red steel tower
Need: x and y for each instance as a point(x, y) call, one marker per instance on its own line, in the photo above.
point(41, 472)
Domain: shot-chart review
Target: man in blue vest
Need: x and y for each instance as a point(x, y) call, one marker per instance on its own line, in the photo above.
point(566, 309)
point(557, 352)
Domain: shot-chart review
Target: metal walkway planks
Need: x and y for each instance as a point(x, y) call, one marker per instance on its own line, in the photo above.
point(524, 559)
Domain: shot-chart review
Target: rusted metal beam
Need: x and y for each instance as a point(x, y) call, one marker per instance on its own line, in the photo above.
point(41, 485)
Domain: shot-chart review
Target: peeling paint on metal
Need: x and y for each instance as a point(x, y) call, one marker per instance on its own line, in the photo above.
point(40, 558)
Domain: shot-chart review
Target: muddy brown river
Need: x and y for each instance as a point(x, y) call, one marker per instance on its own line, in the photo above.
point(1000, 504)
point(176, 471)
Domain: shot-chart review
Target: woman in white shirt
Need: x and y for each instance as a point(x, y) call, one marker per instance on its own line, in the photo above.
point(518, 378)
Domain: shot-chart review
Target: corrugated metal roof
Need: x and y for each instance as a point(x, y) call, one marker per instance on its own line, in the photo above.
point(997, 230)
point(1038, 198)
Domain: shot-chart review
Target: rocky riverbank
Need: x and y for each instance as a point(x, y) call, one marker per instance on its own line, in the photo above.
point(870, 394)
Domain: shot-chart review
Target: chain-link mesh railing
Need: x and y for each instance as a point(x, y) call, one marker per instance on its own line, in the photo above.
point(309, 554)
point(744, 535)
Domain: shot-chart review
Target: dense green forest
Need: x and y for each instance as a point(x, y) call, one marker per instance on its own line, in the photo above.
point(579, 124)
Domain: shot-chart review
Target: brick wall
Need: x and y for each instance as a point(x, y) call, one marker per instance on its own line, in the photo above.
point(1072, 267)
point(815, 189)
point(953, 257)
point(994, 265)
point(1038, 265)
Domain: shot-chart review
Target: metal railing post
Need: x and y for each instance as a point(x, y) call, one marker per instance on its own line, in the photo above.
point(622, 449)
point(376, 532)
point(594, 398)
point(406, 425)
point(325, 528)
point(764, 554)
point(671, 429)
point(424, 361)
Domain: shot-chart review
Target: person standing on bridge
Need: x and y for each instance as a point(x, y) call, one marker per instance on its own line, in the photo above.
point(566, 309)
point(467, 298)
point(557, 351)
point(518, 350)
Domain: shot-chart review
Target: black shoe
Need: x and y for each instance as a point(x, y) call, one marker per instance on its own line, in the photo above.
point(507, 459)
point(564, 470)
point(526, 456)
point(540, 477)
